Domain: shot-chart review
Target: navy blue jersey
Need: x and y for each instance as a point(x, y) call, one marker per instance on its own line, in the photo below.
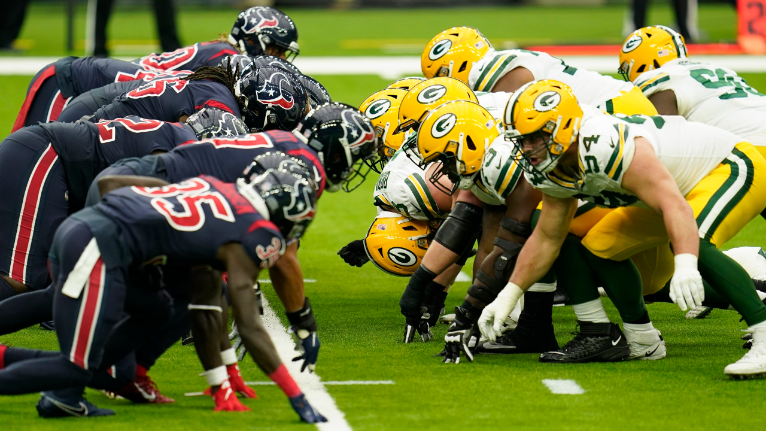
point(190, 57)
point(226, 158)
point(186, 223)
point(168, 100)
point(85, 148)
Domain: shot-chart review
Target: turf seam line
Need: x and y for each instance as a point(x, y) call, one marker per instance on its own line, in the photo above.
point(310, 384)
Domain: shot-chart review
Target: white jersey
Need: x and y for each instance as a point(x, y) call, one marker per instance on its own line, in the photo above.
point(716, 96)
point(589, 87)
point(495, 103)
point(402, 188)
point(499, 175)
point(689, 150)
point(752, 259)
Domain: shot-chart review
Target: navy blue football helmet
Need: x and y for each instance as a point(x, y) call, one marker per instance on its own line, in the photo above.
point(213, 122)
point(265, 30)
point(289, 199)
point(345, 141)
point(317, 93)
point(241, 63)
point(273, 98)
point(270, 60)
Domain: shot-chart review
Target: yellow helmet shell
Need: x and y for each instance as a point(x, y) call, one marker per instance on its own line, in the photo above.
point(545, 105)
point(382, 108)
point(406, 83)
point(397, 244)
point(650, 48)
point(453, 53)
point(429, 94)
point(459, 132)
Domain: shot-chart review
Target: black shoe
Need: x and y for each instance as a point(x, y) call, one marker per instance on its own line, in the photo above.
point(51, 406)
point(48, 326)
point(187, 339)
point(596, 342)
point(561, 298)
point(521, 340)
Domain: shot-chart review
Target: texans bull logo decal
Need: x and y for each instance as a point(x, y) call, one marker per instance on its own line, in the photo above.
point(297, 210)
point(357, 130)
point(256, 20)
point(274, 92)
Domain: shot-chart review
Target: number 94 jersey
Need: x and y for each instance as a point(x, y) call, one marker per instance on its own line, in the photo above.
point(716, 96)
point(688, 150)
point(186, 223)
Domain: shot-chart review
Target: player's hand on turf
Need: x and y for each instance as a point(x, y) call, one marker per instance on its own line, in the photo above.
point(419, 324)
point(308, 345)
point(238, 383)
point(307, 413)
point(458, 338)
point(225, 399)
point(494, 315)
point(354, 253)
point(686, 284)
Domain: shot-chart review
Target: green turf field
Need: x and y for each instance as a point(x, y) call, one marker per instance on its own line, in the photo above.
point(357, 309)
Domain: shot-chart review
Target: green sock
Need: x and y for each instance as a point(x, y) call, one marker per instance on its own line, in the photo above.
point(574, 274)
point(713, 298)
point(623, 284)
point(731, 281)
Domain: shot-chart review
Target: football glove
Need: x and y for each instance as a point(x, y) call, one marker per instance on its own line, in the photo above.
point(686, 283)
point(495, 314)
point(354, 253)
point(458, 338)
point(308, 346)
point(418, 324)
point(305, 410)
point(226, 401)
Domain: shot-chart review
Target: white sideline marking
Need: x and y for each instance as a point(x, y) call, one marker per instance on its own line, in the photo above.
point(462, 276)
point(306, 280)
point(557, 386)
point(310, 384)
point(397, 66)
point(334, 382)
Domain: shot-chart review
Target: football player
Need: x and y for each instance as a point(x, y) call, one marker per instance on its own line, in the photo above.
point(655, 59)
point(95, 248)
point(703, 202)
point(464, 53)
point(47, 170)
point(257, 31)
point(55, 86)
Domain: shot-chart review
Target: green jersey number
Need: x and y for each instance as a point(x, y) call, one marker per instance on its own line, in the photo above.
point(719, 78)
point(641, 119)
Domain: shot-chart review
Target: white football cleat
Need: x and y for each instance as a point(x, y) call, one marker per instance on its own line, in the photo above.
point(645, 345)
point(752, 364)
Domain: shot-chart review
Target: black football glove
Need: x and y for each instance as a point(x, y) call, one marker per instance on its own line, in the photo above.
point(459, 337)
point(354, 253)
point(420, 324)
point(304, 330)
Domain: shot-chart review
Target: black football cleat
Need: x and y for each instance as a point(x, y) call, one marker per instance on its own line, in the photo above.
point(51, 406)
point(596, 342)
point(521, 340)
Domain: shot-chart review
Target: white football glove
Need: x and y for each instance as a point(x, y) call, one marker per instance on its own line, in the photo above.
point(686, 284)
point(491, 321)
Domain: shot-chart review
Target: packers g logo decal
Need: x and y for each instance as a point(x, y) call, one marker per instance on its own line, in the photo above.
point(547, 101)
point(440, 49)
point(377, 108)
point(443, 125)
point(402, 256)
point(632, 44)
point(431, 94)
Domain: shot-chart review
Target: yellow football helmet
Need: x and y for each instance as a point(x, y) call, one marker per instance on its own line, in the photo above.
point(453, 53)
point(427, 95)
point(539, 107)
point(381, 108)
point(650, 48)
point(456, 134)
point(396, 244)
point(406, 83)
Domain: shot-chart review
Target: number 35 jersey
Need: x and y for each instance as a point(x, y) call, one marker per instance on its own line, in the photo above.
point(186, 223)
point(688, 150)
point(716, 96)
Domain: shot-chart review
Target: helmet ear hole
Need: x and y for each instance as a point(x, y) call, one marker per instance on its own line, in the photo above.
point(470, 144)
point(411, 228)
point(569, 120)
point(655, 63)
point(463, 67)
point(640, 69)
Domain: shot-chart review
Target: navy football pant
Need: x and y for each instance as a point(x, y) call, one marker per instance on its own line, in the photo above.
point(33, 187)
point(44, 102)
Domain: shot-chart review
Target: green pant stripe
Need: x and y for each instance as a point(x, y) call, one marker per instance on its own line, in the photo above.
point(735, 173)
point(583, 209)
point(425, 188)
point(609, 107)
point(419, 201)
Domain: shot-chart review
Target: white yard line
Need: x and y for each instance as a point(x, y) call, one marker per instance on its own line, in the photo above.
point(306, 280)
point(557, 386)
point(397, 66)
point(310, 384)
point(334, 382)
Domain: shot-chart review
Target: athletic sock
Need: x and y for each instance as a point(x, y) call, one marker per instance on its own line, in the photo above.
point(25, 310)
point(285, 381)
point(638, 327)
point(591, 311)
point(730, 280)
point(574, 273)
point(622, 282)
point(713, 298)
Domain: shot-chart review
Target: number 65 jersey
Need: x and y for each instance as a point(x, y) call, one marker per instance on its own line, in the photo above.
point(716, 96)
point(186, 223)
point(688, 150)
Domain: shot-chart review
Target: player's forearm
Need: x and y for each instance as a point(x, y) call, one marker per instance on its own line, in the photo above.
point(535, 259)
point(109, 183)
point(288, 280)
point(681, 227)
